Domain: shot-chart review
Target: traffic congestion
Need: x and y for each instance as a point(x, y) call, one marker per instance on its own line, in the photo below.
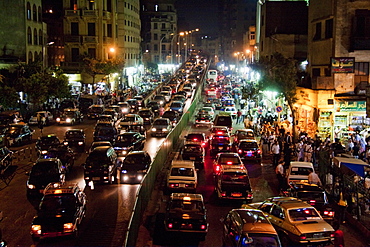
point(83, 170)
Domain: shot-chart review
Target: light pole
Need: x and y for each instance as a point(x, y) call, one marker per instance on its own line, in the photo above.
point(44, 55)
point(179, 46)
point(160, 49)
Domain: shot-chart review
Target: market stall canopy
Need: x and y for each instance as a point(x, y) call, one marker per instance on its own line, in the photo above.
point(356, 165)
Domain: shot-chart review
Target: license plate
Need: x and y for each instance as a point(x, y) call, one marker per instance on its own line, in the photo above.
point(192, 158)
point(249, 154)
point(132, 176)
point(318, 235)
point(96, 178)
point(236, 194)
point(186, 226)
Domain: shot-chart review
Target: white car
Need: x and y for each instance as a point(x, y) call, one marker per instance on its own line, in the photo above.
point(208, 110)
point(182, 176)
point(298, 171)
point(48, 118)
point(231, 110)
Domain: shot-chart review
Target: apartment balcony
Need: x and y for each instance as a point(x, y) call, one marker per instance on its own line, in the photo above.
point(71, 12)
point(360, 43)
point(89, 39)
point(89, 13)
point(72, 38)
point(108, 40)
point(107, 15)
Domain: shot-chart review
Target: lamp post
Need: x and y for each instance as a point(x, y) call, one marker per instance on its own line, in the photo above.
point(44, 55)
point(160, 49)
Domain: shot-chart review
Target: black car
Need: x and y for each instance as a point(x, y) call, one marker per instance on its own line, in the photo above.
point(44, 142)
point(154, 106)
point(60, 213)
point(232, 183)
point(147, 116)
point(249, 150)
point(129, 141)
point(186, 213)
point(95, 111)
point(6, 158)
point(172, 116)
point(134, 167)
point(313, 195)
point(43, 172)
point(18, 134)
point(62, 152)
point(195, 152)
point(219, 143)
point(105, 132)
point(75, 138)
point(133, 104)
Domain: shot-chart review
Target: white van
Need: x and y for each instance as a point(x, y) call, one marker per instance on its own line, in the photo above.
point(182, 176)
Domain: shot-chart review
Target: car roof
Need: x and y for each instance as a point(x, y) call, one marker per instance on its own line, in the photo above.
point(301, 164)
point(256, 226)
point(182, 163)
point(185, 196)
point(248, 140)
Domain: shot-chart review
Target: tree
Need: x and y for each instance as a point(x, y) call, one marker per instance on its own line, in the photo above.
point(9, 96)
point(279, 74)
point(94, 67)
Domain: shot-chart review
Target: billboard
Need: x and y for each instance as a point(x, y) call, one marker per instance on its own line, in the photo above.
point(342, 64)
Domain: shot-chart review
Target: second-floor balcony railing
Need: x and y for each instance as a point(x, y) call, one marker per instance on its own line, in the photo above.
point(71, 12)
point(89, 39)
point(89, 13)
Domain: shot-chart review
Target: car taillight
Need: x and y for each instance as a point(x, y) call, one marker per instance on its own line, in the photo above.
point(312, 202)
point(303, 237)
point(259, 151)
point(203, 144)
point(174, 185)
point(250, 195)
point(195, 139)
point(329, 213)
point(332, 235)
point(219, 132)
point(203, 227)
point(170, 225)
point(223, 193)
point(217, 168)
point(240, 151)
point(229, 162)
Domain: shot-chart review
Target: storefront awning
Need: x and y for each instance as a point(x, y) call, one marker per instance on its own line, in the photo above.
point(357, 166)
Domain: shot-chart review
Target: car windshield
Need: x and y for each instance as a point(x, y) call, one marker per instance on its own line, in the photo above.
point(69, 114)
point(195, 137)
point(176, 104)
point(56, 205)
point(300, 171)
point(145, 113)
point(235, 177)
point(105, 118)
point(300, 214)
point(72, 134)
point(260, 240)
point(137, 162)
point(160, 122)
point(13, 130)
point(222, 139)
point(312, 196)
point(125, 138)
point(248, 145)
point(105, 131)
point(252, 216)
point(169, 114)
point(187, 172)
point(49, 140)
point(226, 160)
point(186, 205)
point(96, 109)
point(129, 119)
point(242, 135)
point(40, 169)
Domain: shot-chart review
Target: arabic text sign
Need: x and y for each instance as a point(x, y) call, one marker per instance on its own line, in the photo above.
point(342, 64)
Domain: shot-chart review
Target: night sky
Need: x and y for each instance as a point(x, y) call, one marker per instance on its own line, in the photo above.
point(200, 14)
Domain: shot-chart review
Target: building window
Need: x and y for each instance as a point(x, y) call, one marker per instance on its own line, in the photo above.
point(28, 11)
point(155, 25)
point(74, 28)
point(35, 37)
point(316, 72)
point(155, 47)
point(109, 5)
point(75, 54)
point(29, 36)
point(36, 56)
point(34, 13)
point(30, 58)
point(91, 52)
point(169, 8)
point(163, 26)
point(155, 36)
point(156, 7)
point(317, 35)
point(41, 40)
point(39, 14)
point(109, 30)
point(73, 4)
point(91, 29)
point(329, 29)
point(163, 48)
point(362, 23)
point(361, 68)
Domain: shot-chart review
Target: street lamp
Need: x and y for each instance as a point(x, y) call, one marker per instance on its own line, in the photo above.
point(160, 49)
point(44, 56)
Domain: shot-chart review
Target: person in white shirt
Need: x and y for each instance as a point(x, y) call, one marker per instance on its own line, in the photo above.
point(313, 178)
point(279, 170)
point(308, 152)
point(275, 150)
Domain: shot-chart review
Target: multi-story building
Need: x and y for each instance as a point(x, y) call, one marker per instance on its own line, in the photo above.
point(235, 18)
point(159, 32)
point(23, 33)
point(338, 63)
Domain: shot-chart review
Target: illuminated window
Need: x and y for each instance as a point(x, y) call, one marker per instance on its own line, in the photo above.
point(28, 11)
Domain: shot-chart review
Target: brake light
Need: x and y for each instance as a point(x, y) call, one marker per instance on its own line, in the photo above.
point(312, 202)
point(203, 227)
point(306, 211)
point(217, 168)
point(203, 144)
point(329, 213)
point(229, 162)
point(170, 225)
point(303, 237)
point(240, 151)
point(259, 151)
point(332, 235)
point(223, 194)
point(174, 185)
point(195, 139)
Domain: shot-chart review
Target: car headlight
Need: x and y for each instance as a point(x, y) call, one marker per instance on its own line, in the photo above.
point(124, 152)
point(124, 110)
point(139, 177)
point(68, 227)
point(58, 119)
point(65, 143)
point(164, 129)
point(68, 120)
point(161, 102)
point(36, 229)
point(80, 143)
point(124, 171)
point(31, 186)
point(125, 178)
point(154, 129)
point(44, 151)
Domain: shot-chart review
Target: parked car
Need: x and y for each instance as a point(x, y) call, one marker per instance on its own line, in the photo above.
point(134, 167)
point(60, 213)
point(38, 116)
point(244, 227)
point(18, 134)
point(298, 171)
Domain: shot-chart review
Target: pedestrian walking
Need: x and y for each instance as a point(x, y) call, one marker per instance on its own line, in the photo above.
point(238, 116)
point(308, 152)
point(279, 170)
point(275, 150)
point(244, 113)
point(242, 103)
point(265, 144)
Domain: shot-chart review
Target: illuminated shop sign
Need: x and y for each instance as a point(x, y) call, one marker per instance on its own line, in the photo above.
point(352, 105)
point(342, 64)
